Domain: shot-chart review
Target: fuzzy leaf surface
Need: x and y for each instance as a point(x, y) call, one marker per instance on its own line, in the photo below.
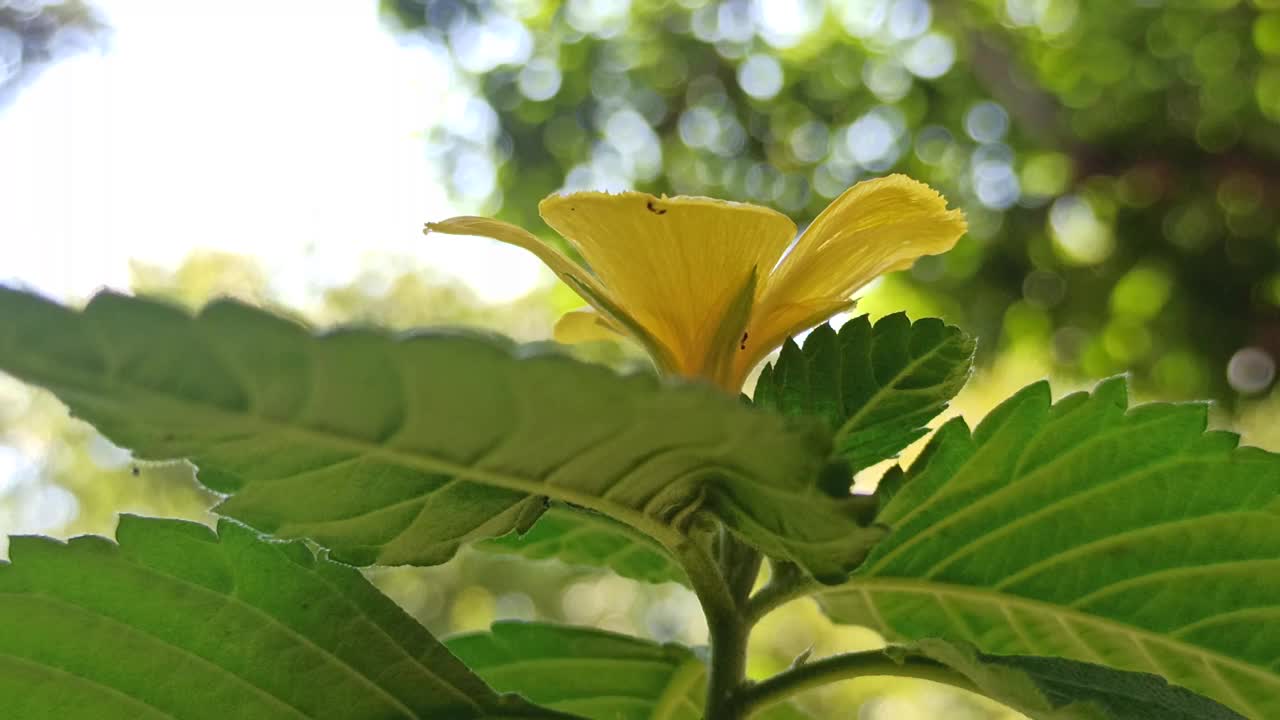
point(578, 537)
point(593, 673)
point(395, 450)
point(179, 622)
point(876, 386)
point(1088, 530)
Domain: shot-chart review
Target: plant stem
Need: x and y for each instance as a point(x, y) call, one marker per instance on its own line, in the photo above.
point(728, 668)
point(708, 584)
point(844, 667)
point(740, 564)
point(787, 583)
point(717, 581)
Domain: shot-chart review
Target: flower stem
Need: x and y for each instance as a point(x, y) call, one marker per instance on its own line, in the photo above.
point(844, 667)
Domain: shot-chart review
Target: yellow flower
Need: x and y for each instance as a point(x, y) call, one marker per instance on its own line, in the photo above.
point(708, 286)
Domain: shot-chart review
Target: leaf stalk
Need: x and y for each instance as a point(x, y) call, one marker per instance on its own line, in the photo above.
point(873, 663)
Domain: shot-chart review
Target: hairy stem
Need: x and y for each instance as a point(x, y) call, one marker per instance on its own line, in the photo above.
point(728, 669)
point(708, 583)
point(717, 581)
point(844, 667)
point(787, 583)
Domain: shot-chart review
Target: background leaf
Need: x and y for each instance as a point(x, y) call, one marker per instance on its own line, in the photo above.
point(1130, 539)
point(1042, 688)
point(877, 385)
point(396, 451)
point(177, 622)
point(580, 537)
point(593, 673)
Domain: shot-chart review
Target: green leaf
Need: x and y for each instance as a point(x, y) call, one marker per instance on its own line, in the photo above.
point(395, 451)
point(1132, 539)
point(580, 537)
point(1042, 688)
point(878, 385)
point(593, 673)
point(1045, 688)
point(177, 622)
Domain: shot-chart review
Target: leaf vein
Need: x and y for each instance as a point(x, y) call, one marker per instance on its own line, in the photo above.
point(1012, 487)
point(199, 659)
point(63, 673)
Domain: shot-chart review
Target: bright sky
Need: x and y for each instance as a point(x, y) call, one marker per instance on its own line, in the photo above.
point(289, 130)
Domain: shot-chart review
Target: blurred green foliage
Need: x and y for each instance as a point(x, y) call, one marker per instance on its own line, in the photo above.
point(1119, 162)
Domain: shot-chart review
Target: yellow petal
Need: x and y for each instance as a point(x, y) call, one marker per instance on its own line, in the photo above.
point(567, 270)
point(676, 264)
point(581, 280)
point(758, 342)
point(875, 227)
point(580, 326)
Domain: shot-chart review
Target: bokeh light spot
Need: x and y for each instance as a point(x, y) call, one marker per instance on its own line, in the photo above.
point(1267, 92)
point(1046, 174)
point(1142, 292)
point(994, 180)
point(602, 18)
point(986, 122)
point(699, 127)
point(785, 23)
point(862, 18)
point(809, 141)
point(1078, 235)
point(873, 139)
point(514, 606)
point(481, 47)
point(1266, 33)
point(539, 80)
point(1251, 370)
point(1217, 53)
point(1044, 288)
point(1189, 227)
point(909, 18)
point(473, 609)
point(932, 144)
point(931, 56)
point(887, 77)
point(760, 76)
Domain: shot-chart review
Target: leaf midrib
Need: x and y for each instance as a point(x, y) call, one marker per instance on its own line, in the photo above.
point(677, 692)
point(184, 651)
point(1002, 600)
point(232, 599)
point(63, 674)
point(1092, 546)
point(1066, 501)
point(77, 381)
point(877, 396)
point(1018, 482)
point(417, 460)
